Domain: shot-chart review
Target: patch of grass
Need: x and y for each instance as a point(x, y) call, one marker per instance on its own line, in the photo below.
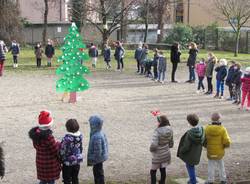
point(27, 61)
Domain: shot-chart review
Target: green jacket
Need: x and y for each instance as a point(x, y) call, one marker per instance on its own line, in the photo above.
point(190, 146)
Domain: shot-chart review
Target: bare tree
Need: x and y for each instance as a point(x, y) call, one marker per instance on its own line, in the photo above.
point(236, 13)
point(146, 20)
point(109, 15)
point(45, 20)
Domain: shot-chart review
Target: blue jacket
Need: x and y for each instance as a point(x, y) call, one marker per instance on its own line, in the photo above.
point(230, 74)
point(98, 144)
point(107, 54)
point(138, 53)
point(221, 73)
point(93, 51)
point(119, 53)
point(15, 49)
point(71, 149)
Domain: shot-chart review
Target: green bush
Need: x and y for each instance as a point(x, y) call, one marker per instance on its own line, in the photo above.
point(199, 35)
point(180, 33)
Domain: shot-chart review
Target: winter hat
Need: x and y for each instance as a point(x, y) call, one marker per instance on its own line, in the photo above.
point(223, 62)
point(45, 120)
point(248, 70)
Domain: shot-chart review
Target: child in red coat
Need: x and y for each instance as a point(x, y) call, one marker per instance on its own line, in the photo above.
point(201, 70)
point(246, 89)
point(47, 150)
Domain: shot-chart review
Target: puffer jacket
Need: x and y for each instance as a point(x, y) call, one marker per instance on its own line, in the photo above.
point(190, 146)
point(246, 83)
point(217, 139)
point(162, 141)
point(71, 149)
point(98, 144)
point(3, 50)
point(200, 69)
point(15, 49)
point(221, 73)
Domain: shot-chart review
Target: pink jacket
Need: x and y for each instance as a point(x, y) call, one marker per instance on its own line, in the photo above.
point(200, 69)
point(246, 83)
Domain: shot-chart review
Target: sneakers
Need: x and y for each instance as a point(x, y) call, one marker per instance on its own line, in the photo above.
point(198, 91)
point(216, 96)
point(162, 82)
point(221, 97)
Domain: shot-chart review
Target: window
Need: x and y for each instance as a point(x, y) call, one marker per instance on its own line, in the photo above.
point(179, 11)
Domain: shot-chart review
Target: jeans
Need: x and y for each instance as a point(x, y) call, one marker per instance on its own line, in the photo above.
point(191, 73)
point(98, 173)
point(212, 164)
point(209, 84)
point(200, 84)
point(70, 174)
point(219, 87)
point(173, 71)
point(161, 75)
point(153, 176)
point(191, 173)
point(47, 182)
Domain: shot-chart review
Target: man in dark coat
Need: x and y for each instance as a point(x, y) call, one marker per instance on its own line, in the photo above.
point(175, 59)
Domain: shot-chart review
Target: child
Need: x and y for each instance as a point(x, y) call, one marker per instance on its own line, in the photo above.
point(3, 51)
point(38, 53)
point(107, 55)
point(47, 149)
point(71, 152)
point(15, 50)
point(144, 58)
point(217, 139)
point(49, 52)
point(154, 63)
point(162, 67)
point(246, 89)
point(162, 141)
point(229, 80)
point(137, 56)
point(93, 53)
point(201, 70)
point(220, 78)
point(209, 72)
point(236, 83)
point(190, 146)
point(2, 167)
point(193, 51)
point(98, 148)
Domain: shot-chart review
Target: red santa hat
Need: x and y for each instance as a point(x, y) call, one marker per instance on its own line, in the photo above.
point(44, 119)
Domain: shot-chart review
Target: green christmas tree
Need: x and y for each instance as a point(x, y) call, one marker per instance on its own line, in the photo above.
point(71, 70)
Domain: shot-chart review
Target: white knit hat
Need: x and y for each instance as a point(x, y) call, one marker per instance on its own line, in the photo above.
point(248, 70)
point(223, 62)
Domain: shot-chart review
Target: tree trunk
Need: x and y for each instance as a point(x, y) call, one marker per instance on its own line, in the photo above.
point(124, 20)
point(162, 6)
point(72, 97)
point(45, 23)
point(237, 43)
point(146, 21)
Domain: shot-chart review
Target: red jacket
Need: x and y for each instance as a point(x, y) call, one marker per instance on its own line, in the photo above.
point(246, 83)
point(47, 151)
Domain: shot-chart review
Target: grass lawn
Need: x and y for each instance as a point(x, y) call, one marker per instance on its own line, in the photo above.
point(27, 59)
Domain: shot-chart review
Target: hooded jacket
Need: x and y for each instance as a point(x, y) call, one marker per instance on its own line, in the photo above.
point(2, 167)
point(47, 154)
point(71, 149)
point(221, 72)
point(15, 49)
point(246, 83)
point(98, 144)
point(190, 146)
point(162, 141)
point(217, 139)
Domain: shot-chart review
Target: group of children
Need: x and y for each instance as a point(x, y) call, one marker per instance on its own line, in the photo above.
point(53, 156)
point(237, 81)
point(214, 137)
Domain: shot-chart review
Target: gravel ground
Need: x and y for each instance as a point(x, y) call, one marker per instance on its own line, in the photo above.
point(125, 101)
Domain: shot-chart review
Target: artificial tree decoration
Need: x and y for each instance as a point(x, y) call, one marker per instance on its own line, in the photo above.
point(72, 70)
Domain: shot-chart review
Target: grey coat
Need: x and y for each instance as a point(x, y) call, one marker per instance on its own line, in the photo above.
point(162, 141)
point(162, 64)
point(209, 68)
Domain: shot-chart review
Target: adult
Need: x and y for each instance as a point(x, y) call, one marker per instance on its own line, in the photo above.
point(93, 53)
point(49, 52)
point(38, 53)
point(3, 51)
point(137, 56)
point(119, 54)
point(191, 61)
point(15, 50)
point(175, 59)
point(144, 57)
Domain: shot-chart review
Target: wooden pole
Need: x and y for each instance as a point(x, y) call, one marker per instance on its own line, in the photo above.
point(72, 97)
